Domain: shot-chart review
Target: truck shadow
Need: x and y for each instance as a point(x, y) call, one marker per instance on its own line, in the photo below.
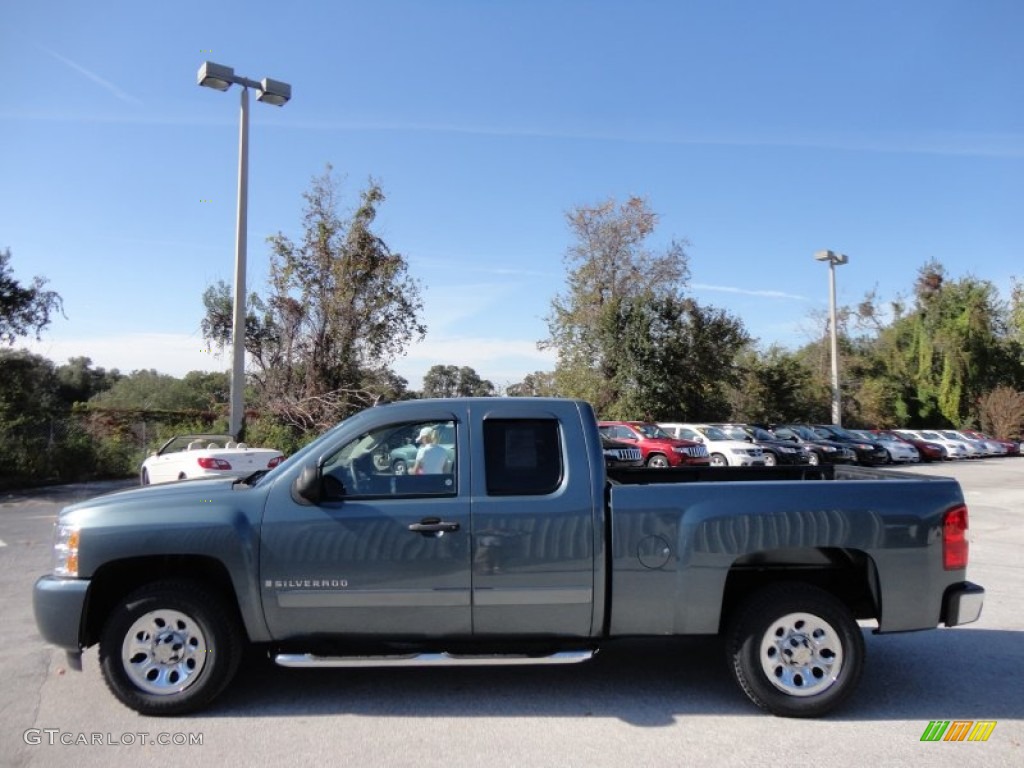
point(948, 674)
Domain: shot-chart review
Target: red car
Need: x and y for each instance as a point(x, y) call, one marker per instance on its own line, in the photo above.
point(929, 451)
point(658, 448)
point(1012, 448)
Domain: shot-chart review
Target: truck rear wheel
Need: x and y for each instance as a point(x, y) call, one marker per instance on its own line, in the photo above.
point(169, 648)
point(795, 650)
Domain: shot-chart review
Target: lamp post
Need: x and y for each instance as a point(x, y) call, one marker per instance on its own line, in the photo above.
point(274, 92)
point(833, 259)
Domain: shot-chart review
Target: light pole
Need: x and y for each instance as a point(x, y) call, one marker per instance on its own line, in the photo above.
point(833, 260)
point(274, 92)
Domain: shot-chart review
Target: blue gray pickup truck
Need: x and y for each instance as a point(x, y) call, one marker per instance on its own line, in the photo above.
point(525, 549)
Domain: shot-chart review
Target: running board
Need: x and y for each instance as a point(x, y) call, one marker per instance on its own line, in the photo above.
point(430, 660)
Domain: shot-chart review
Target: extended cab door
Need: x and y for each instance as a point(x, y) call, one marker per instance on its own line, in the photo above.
point(385, 552)
point(536, 529)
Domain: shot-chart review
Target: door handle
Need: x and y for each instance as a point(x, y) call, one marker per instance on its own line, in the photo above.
point(434, 526)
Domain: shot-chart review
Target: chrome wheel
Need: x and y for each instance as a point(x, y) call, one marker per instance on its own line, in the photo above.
point(769, 459)
point(170, 647)
point(795, 650)
point(164, 652)
point(400, 467)
point(718, 460)
point(801, 654)
point(657, 461)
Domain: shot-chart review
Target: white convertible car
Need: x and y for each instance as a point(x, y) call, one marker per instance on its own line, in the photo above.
point(187, 457)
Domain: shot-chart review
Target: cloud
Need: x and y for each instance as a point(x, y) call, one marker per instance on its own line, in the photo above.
point(748, 292)
point(109, 86)
point(502, 361)
point(172, 353)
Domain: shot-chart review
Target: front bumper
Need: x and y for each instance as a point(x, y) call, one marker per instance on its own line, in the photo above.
point(59, 606)
point(962, 603)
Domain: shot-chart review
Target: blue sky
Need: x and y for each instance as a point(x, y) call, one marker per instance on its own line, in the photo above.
point(759, 131)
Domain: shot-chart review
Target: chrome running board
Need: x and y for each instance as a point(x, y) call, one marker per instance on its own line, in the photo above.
point(430, 659)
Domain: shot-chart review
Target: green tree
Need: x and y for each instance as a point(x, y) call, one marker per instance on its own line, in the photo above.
point(452, 381)
point(78, 381)
point(340, 308)
point(608, 264)
point(677, 359)
point(148, 390)
point(536, 384)
point(24, 310)
point(776, 386)
point(29, 405)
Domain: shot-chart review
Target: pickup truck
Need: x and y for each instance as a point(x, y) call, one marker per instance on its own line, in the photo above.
point(528, 551)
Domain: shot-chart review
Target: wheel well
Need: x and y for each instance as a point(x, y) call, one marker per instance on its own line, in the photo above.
point(115, 581)
point(848, 574)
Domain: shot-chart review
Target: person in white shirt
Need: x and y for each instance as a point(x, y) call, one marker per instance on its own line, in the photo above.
point(431, 458)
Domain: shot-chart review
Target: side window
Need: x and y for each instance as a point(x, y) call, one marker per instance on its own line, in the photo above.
point(523, 457)
point(404, 459)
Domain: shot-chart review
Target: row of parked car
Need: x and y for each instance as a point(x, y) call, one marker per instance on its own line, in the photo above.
point(638, 443)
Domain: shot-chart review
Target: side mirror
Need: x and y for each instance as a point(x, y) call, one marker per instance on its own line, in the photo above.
point(308, 487)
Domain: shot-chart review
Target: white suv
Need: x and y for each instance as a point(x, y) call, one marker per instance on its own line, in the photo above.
point(725, 452)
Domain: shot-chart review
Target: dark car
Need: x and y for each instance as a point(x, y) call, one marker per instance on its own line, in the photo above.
point(868, 451)
point(618, 454)
point(929, 451)
point(775, 451)
point(820, 450)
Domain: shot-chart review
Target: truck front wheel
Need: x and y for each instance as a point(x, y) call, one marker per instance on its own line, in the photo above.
point(795, 650)
point(169, 648)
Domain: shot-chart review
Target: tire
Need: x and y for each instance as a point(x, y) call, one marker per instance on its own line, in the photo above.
point(400, 467)
point(769, 459)
point(169, 648)
point(145, 477)
point(795, 650)
point(718, 460)
point(813, 459)
point(657, 461)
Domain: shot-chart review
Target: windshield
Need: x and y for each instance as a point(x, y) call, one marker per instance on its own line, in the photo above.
point(736, 433)
point(713, 433)
point(652, 430)
point(930, 436)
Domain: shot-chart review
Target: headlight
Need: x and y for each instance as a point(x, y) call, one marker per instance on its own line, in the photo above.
point(65, 551)
point(828, 449)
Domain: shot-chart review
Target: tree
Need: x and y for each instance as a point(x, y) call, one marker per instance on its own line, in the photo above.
point(1002, 412)
point(776, 386)
point(536, 384)
point(608, 263)
point(28, 405)
point(677, 359)
point(340, 308)
point(24, 310)
point(148, 390)
point(451, 381)
point(79, 381)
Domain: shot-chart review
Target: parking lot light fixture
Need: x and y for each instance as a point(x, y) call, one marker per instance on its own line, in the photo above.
point(834, 260)
point(276, 93)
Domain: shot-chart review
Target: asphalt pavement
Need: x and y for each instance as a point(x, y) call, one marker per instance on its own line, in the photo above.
point(640, 703)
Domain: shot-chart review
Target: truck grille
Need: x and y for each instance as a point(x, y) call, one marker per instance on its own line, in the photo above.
point(698, 452)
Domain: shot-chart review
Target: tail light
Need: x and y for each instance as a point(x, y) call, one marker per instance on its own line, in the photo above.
point(954, 539)
point(209, 463)
point(275, 461)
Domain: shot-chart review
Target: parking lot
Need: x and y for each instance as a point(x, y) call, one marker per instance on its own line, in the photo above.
point(649, 703)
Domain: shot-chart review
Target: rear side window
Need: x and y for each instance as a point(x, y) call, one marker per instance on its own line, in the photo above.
point(523, 457)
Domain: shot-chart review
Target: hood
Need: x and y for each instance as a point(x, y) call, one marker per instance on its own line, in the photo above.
point(163, 496)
